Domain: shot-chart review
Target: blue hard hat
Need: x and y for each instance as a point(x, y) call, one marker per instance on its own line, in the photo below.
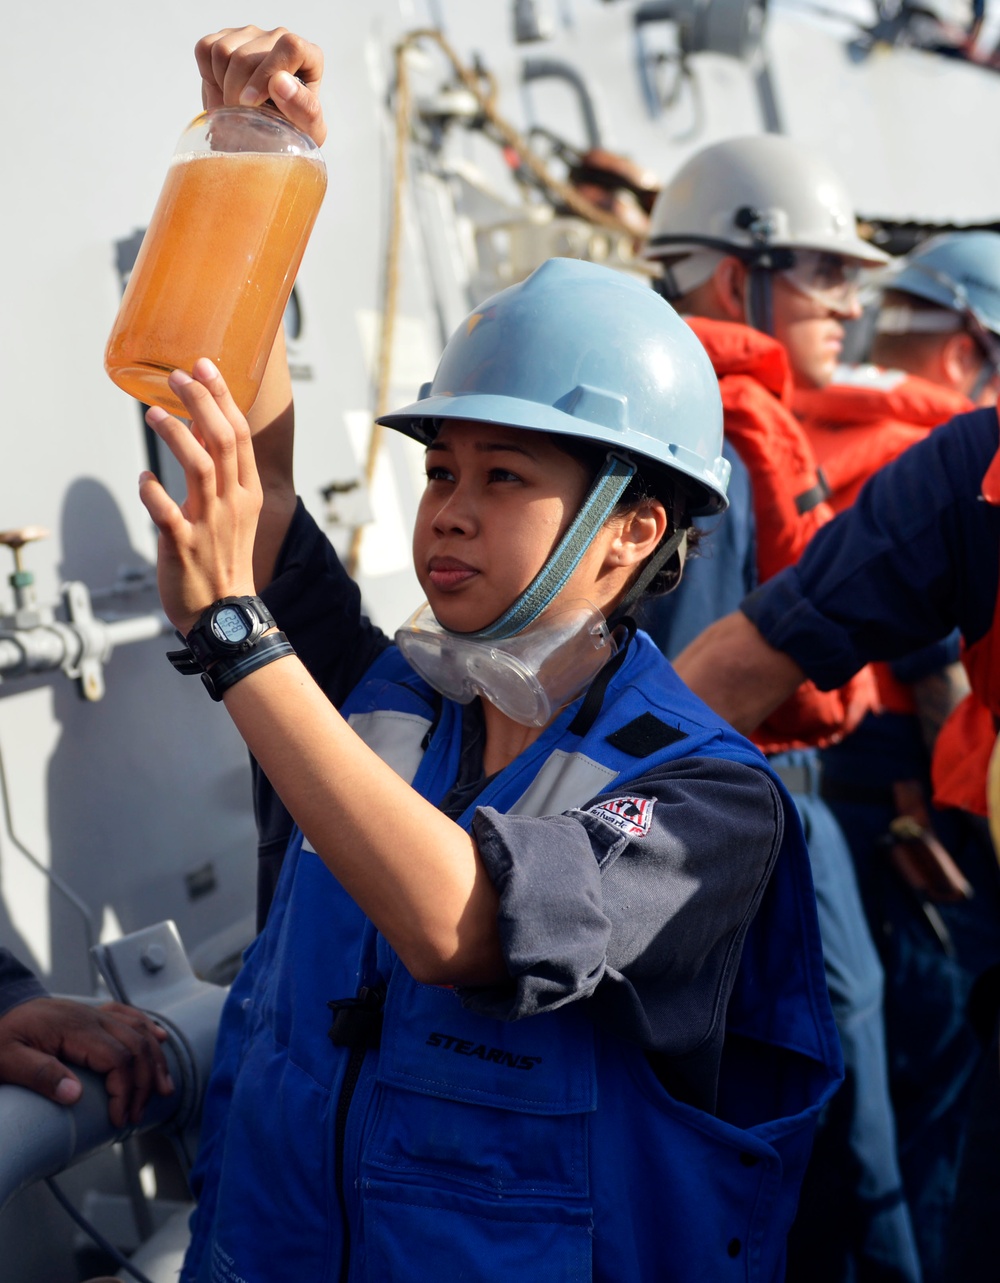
point(956, 270)
point(585, 351)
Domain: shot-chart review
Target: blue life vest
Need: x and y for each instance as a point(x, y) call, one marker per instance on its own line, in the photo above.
point(468, 1148)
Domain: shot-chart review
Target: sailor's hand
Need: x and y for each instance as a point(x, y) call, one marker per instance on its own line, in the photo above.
point(246, 66)
point(916, 852)
point(206, 543)
point(38, 1037)
point(921, 860)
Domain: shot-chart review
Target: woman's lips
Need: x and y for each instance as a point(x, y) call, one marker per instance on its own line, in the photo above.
point(449, 572)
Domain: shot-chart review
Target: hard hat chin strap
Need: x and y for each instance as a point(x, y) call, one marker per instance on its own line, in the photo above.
point(600, 503)
point(758, 302)
point(989, 371)
point(989, 345)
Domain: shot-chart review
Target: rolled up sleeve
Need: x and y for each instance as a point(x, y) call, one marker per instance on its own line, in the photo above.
point(645, 925)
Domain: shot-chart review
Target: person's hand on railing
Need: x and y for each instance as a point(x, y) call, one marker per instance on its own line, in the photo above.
point(41, 1037)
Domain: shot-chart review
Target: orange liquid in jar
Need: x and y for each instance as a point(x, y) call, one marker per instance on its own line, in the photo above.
point(214, 272)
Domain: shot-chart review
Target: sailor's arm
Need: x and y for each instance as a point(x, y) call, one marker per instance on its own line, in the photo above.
point(736, 672)
point(414, 872)
point(249, 66)
point(272, 427)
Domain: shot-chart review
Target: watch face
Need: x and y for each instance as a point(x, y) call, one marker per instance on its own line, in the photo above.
point(229, 625)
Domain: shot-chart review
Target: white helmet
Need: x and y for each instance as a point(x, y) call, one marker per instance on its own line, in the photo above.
point(771, 202)
point(746, 196)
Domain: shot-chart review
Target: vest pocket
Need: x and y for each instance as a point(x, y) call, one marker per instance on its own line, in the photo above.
point(476, 1160)
point(446, 1235)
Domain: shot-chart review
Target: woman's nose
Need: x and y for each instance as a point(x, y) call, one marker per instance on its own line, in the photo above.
point(456, 513)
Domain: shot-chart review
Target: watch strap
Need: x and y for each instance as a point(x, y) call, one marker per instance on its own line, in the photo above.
point(184, 661)
point(225, 673)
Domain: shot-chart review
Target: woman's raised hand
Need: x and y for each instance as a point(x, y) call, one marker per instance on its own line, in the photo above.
point(246, 66)
point(206, 543)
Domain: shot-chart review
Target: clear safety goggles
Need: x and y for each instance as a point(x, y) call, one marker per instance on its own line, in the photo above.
point(528, 677)
point(829, 279)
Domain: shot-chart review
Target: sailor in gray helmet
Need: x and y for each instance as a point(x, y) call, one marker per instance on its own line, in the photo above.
point(778, 210)
point(759, 247)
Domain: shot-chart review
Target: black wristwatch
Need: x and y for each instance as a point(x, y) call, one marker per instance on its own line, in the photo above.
point(229, 627)
point(228, 643)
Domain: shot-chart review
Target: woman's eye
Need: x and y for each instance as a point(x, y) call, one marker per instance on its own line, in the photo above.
point(438, 474)
point(503, 474)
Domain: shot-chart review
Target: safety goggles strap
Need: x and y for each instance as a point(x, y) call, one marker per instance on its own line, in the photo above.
point(624, 628)
point(586, 714)
point(600, 503)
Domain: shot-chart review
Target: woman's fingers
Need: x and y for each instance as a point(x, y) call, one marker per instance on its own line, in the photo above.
point(298, 103)
point(218, 430)
point(206, 409)
point(247, 66)
point(231, 433)
point(192, 455)
point(163, 512)
point(214, 53)
point(206, 546)
point(216, 451)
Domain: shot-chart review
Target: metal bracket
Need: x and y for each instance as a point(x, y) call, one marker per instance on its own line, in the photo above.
point(88, 666)
point(149, 969)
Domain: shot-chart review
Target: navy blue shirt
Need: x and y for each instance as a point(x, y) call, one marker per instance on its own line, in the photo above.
point(917, 555)
point(17, 983)
point(330, 609)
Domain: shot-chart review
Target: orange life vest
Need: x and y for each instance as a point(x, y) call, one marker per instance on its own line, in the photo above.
point(858, 425)
point(755, 382)
point(964, 743)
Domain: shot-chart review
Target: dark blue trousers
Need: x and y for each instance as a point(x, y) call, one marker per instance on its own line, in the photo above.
point(853, 1224)
point(931, 958)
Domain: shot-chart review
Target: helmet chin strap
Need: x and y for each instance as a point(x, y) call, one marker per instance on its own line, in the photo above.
point(758, 304)
point(598, 506)
point(989, 345)
point(987, 373)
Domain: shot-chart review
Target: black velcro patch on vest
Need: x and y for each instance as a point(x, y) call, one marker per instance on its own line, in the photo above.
point(645, 735)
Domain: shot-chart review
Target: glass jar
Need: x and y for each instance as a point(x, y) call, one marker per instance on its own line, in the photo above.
point(218, 261)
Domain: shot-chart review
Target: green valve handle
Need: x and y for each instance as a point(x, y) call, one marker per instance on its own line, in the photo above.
point(22, 580)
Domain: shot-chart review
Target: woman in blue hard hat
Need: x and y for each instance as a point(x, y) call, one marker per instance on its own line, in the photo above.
point(540, 990)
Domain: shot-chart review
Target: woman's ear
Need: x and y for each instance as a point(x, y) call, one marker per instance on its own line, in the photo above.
point(642, 529)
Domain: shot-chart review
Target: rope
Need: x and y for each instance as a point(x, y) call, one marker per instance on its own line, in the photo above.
point(558, 192)
point(567, 195)
point(390, 298)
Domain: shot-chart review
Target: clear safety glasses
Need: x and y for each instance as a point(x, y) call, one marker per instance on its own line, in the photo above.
point(829, 279)
point(529, 677)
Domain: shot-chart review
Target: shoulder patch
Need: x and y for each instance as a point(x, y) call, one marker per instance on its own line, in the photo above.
point(645, 735)
point(632, 816)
